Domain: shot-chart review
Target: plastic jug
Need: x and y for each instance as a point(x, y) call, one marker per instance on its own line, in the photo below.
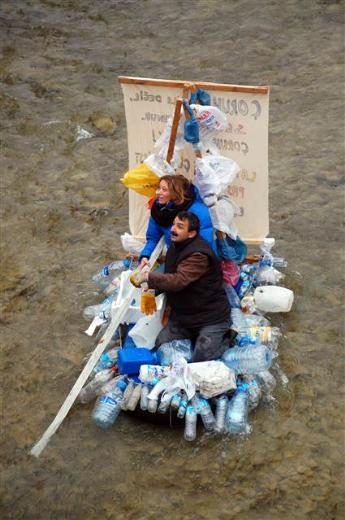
point(272, 298)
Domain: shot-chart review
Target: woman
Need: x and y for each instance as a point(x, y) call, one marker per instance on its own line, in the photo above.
point(175, 193)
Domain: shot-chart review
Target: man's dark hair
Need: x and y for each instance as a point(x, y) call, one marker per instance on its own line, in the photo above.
point(193, 220)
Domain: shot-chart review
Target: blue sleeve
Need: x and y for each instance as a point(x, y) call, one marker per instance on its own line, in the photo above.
point(206, 227)
point(153, 234)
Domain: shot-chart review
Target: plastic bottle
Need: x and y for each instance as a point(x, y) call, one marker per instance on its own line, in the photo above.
point(107, 360)
point(248, 360)
point(183, 406)
point(127, 395)
point(266, 380)
point(278, 261)
point(108, 272)
point(190, 423)
point(254, 391)
point(134, 397)
point(152, 399)
point(239, 321)
point(206, 414)
point(89, 391)
point(145, 390)
point(95, 310)
point(236, 420)
point(153, 373)
point(175, 401)
point(232, 296)
point(221, 408)
point(108, 407)
point(164, 404)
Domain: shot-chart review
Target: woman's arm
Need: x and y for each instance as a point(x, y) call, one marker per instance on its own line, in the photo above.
point(153, 234)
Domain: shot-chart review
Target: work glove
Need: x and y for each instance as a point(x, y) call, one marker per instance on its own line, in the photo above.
point(148, 302)
point(191, 126)
point(138, 278)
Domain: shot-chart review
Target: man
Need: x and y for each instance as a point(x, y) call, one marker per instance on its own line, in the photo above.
point(193, 284)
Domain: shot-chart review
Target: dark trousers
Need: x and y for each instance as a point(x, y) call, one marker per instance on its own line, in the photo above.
point(210, 341)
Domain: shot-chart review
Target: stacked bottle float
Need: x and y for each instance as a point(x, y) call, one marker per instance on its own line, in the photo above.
point(128, 378)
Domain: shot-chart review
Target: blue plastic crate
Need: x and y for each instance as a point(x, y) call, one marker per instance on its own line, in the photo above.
point(130, 360)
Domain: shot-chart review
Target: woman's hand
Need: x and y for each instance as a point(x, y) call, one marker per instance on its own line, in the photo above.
point(144, 261)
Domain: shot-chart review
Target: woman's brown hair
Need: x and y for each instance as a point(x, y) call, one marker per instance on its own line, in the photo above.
point(179, 188)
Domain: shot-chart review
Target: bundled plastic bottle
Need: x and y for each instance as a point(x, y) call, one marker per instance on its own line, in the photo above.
point(266, 380)
point(239, 321)
point(175, 401)
point(164, 404)
point(190, 423)
point(152, 399)
point(206, 414)
point(170, 351)
point(127, 395)
point(89, 392)
point(248, 360)
point(107, 360)
point(236, 420)
point(152, 374)
point(232, 295)
point(134, 397)
point(278, 261)
point(108, 407)
point(145, 390)
point(108, 272)
point(102, 309)
point(254, 391)
point(183, 406)
point(221, 408)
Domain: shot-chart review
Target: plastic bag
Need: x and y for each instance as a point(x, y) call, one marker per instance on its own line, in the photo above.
point(214, 173)
point(191, 126)
point(229, 249)
point(212, 377)
point(131, 244)
point(223, 213)
point(169, 352)
point(231, 272)
point(159, 166)
point(142, 180)
point(210, 117)
point(177, 379)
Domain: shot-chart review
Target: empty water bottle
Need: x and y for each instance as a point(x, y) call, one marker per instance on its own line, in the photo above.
point(183, 406)
point(206, 414)
point(152, 399)
point(278, 261)
point(175, 401)
point(89, 391)
point(266, 380)
point(96, 310)
point(221, 408)
point(254, 391)
point(236, 419)
point(108, 407)
point(127, 395)
point(107, 360)
point(248, 360)
point(108, 272)
point(145, 390)
point(135, 397)
point(164, 404)
point(239, 321)
point(172, 350)
point(190, 423)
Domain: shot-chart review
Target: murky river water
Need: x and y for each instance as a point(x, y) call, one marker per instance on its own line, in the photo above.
point(59, 67)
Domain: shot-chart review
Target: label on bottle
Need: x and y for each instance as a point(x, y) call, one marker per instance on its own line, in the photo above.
point(264, 333)
point(106, 270)
point(106, 399)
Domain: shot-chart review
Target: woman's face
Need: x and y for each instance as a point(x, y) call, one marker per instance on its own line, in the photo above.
point(163, 193)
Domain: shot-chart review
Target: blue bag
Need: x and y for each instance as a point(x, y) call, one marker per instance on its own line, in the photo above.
point(200, 96)
point(230, 249)
point(191, 126)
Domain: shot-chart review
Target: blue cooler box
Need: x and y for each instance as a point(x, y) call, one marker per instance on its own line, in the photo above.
point(129, 360)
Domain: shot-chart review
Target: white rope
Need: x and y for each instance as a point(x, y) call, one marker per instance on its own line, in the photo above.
point(116, 318)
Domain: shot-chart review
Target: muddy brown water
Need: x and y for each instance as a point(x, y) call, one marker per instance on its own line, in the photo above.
point(64, 209)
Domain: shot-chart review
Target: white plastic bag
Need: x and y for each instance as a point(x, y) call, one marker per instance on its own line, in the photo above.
point(212, 377)
point(214, 173)
point(210, 117)
point(223, 213)
point(177, 378)
point(131, 244)
point(147, 328)
point(159, 166)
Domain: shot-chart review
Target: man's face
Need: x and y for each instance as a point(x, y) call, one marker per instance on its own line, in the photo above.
point(179, 231)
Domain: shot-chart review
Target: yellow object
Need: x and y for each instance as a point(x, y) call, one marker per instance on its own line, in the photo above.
point(142, 180)
point(148, 302)
point(134, 279)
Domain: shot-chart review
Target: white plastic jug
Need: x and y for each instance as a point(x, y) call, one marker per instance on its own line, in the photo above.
point(273, 298)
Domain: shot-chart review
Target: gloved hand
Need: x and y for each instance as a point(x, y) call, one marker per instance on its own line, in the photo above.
point(191, 126)
point(138, 278)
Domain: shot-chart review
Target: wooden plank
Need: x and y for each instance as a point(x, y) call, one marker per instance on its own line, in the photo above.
point(198, 84)
point(174, 126)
